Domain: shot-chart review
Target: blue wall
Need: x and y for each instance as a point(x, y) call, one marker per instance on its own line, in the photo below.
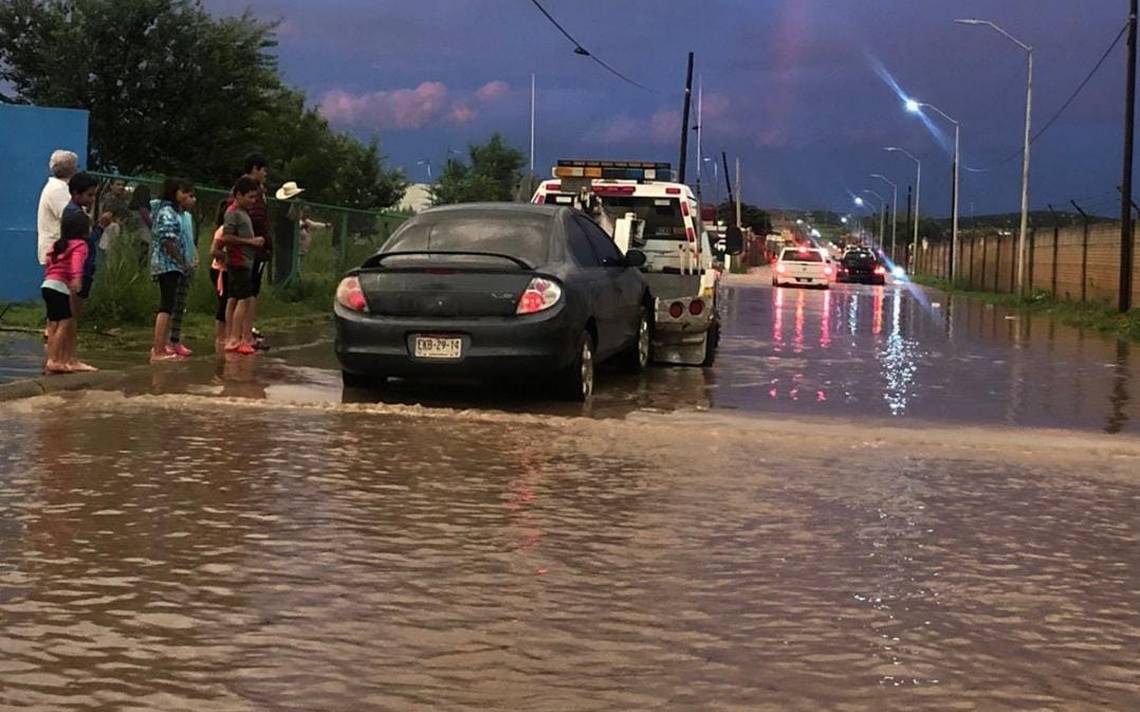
point(28, 135)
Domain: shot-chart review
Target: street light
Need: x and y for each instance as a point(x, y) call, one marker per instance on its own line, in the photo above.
point(917, 108)
point(859, 201)
point(917, 188)
point(1025, 151)
point(426, 162)
point(882, 213)
point(894, 210)
point(716, 177)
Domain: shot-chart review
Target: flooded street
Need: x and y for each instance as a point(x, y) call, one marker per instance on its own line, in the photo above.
point(840, 515)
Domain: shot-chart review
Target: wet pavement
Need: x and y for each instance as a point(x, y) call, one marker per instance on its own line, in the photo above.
point(887, 353)
point(845, 513)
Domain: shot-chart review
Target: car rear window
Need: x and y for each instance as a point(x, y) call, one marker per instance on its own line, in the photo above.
point(805, 256)
point(662, 216)
point(525, 237)
point(859, 258)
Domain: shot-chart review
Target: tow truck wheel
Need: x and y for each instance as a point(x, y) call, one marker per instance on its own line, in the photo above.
point(576, 383)
point(712, 341)
point(637, 357)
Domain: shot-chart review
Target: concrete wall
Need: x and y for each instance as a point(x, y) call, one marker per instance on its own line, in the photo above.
point(1076, 265)
point(28, 135)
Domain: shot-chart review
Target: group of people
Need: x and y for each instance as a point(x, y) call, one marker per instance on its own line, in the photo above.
point(69, 242)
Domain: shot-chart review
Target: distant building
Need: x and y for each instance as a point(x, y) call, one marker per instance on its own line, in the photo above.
point(417, 198)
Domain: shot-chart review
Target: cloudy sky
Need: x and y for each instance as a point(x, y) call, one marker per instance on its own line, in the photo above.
point(800, 90)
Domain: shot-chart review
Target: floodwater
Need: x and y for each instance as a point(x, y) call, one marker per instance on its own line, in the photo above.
point(186, 553)
point(885, 353)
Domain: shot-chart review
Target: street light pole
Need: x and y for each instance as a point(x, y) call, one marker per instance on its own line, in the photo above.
point(1022, 239)
point(894, 209)
point(882, 214)
point(917, 187)
point(916, 107)
point(1126, 223)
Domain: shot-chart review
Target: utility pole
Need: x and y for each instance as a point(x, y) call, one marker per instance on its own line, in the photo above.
point(685, 121)
point(532, 124)
point(699, 127)
point(895, 257)
point(728, 183)
point(739, 192)
point(1126, 224)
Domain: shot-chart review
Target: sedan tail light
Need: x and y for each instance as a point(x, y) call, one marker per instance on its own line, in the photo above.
point(880, 270)
point(676, 309)
point(781, 268)
point(696, 307)
point(540, 295)
point(350, 296)
point(827, 271)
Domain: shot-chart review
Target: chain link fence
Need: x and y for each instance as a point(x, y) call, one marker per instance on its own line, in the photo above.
point(313, 245)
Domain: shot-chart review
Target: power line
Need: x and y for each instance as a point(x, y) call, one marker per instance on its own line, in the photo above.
point(579, 49)
point(1066, 105)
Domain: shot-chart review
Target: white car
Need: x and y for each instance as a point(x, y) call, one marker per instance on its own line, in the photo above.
point(803, 267)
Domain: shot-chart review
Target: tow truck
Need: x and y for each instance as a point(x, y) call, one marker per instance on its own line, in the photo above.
point(641, 206)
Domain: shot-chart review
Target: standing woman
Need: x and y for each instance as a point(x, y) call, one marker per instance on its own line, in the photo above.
point(190, 252)
point(168, 263)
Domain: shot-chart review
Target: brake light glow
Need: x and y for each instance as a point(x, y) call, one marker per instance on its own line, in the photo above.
point(350, 296)
point(781, 268)
point(540, 295)
point(554, 186)
point(672, 191)
point(613, 189)
point(881, 270)
point(676, 309)
point(827, 271)
point(696, 307)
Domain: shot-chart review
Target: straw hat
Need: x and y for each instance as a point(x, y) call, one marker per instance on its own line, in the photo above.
point(289, 191)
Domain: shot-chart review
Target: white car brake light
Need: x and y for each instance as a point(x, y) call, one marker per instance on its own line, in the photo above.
point(540, 295)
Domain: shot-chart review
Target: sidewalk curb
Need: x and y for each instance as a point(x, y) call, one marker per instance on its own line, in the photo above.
point(32, 387)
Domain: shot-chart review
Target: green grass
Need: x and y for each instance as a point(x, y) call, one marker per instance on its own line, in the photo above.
point(1097, 316)
point(120, 312)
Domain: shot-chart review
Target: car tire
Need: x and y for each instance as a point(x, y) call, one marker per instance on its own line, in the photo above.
point(359, 380)
point(638, 356)
point(576, 382)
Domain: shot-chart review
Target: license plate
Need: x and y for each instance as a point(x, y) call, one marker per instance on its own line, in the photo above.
point(438, 347)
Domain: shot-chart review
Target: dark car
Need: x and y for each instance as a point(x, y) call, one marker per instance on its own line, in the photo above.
point(863, 267)
point(494, 290)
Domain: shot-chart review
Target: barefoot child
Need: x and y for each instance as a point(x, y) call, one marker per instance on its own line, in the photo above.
point(63, 278)
point(241, 245)
point(168, 260)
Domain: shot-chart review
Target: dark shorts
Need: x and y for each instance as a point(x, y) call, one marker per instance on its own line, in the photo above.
point(241, 282)
point(256, 277)
point(167, 289)
point(85, 289)
point(58, 304)
point(223, 294)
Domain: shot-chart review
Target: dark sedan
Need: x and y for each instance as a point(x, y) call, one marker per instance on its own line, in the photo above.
point(861, 266)
point(494, 290)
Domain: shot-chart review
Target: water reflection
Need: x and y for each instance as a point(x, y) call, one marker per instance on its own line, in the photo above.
point(1120, 397)
point(898, 362)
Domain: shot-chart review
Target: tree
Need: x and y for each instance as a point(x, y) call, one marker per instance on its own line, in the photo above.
point(493, 175)
point(172, 90)
point(750, 216)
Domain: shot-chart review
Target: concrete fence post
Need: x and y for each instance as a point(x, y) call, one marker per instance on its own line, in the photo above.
point(1085, 262)
point(1032, 256)
point(1056, 248)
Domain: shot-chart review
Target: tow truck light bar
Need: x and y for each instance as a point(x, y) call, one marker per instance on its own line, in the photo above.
point(614, 170)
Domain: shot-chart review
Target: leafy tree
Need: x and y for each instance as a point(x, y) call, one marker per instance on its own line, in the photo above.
point(493, 175)
point(172, 90)
point(750, 216)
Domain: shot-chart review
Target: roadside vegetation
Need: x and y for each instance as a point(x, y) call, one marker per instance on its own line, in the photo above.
point(1097, 316)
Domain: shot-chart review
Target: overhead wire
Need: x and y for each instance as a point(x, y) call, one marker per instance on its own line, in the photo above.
point(579, 49)
point(1068, 102)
